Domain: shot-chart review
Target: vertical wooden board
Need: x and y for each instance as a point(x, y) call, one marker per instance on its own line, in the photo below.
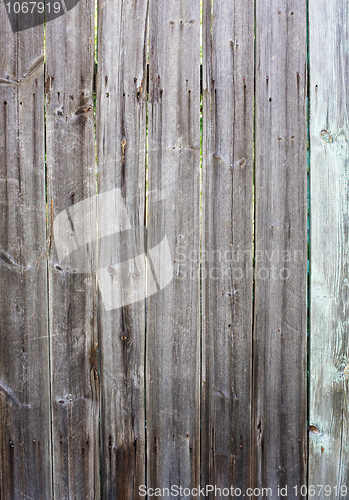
point(25, 463)
point(72, 293)
point(227, 248)
point(121, 150)
point(172, 353)
point(280, 310)
point(329, 357)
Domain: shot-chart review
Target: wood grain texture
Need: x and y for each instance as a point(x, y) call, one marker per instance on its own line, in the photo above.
point(280, 317)
point(173, 342)
point(121, 146)
point(227, 247)
point(328, 418)
point(25, 461)
point(72, 296)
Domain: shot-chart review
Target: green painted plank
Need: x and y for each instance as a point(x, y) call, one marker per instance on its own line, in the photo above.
point(329, 358)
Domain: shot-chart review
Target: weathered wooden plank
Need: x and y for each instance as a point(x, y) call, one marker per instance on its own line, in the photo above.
point(280, 318)
point(25, 462)
point(227, 247)
point(172, 354)
point(72, 295)
point(328, 419)
point(121, 146)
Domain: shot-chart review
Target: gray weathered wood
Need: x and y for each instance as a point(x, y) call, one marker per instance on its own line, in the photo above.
point(72, 296)
point(280, 317)
point(172, 362)
point(329, 358)
point(25, 461)
point(227, 247)
point(121, 155)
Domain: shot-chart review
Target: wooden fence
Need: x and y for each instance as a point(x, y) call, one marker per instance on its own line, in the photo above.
point(235, 373)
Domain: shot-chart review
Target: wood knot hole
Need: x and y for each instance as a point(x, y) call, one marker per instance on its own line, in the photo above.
point(326, 136)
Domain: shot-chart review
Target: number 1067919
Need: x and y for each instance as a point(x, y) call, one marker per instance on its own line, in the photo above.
point(321, 491)
point(31, 7)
